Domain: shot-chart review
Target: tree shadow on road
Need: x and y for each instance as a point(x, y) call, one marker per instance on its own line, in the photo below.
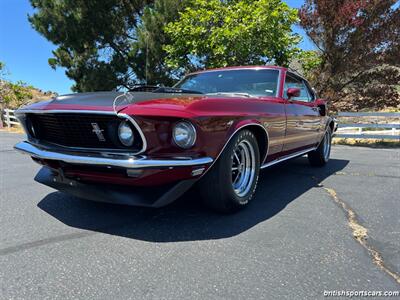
point(187, 219)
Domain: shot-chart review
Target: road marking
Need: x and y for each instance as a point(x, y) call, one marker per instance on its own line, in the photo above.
point(360, 233)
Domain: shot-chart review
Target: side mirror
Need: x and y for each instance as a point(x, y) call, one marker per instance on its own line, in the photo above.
point(293, 92)
point(321, 104)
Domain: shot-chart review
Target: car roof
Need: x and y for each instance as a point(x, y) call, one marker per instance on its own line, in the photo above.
point(240, 68)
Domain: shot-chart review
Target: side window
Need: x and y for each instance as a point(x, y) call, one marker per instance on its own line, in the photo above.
point(292, 82)
point(311, 92)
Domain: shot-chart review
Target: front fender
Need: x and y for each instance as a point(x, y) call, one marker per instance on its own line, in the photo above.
point(252, 124)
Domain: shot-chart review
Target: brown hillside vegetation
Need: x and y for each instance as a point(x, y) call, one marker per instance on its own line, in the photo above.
point(14, 95)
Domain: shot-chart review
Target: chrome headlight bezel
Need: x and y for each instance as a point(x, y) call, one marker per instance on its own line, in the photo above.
point(126, 134)
point(184, 134)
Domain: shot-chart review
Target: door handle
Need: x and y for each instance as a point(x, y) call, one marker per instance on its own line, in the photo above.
point(315, 108)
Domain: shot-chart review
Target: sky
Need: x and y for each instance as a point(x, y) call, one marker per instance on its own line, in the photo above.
point(25, 52)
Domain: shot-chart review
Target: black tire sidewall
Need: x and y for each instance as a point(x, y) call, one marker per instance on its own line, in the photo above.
point(226, 169)
point(317, 157)
point(322, 146)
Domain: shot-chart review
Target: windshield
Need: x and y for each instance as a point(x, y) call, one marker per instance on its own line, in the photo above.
point(253, 82)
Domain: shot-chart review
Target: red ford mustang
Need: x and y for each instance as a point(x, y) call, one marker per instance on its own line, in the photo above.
point(215, 128)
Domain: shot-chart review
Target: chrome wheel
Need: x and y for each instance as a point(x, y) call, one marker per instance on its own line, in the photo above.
point(243, 168)
point(327, 146)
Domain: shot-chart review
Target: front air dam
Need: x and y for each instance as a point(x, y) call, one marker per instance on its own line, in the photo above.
point(115, 194)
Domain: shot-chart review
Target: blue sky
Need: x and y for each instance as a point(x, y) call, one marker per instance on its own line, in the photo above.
point(25, 52)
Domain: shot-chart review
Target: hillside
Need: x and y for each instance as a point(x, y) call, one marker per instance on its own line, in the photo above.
point(14, 95)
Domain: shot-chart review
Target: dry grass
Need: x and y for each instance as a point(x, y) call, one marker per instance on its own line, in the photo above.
point(12, 129)
point(373, 143)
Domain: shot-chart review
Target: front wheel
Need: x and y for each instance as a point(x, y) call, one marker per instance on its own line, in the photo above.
point(320, 156)
point(232, 181)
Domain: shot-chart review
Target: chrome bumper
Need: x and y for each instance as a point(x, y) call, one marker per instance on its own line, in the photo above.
point(106, 159)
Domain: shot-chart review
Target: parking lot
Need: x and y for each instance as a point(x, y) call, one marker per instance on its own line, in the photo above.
point(308, 230)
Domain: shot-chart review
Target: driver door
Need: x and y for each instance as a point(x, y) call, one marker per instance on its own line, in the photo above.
point(302, 116)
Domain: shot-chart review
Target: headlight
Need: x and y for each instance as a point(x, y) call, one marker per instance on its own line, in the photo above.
point(184, 135)
point(125, 134)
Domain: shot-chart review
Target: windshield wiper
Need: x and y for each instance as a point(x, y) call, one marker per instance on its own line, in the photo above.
point(175, 91)
point(232, 94)
point(143, 88)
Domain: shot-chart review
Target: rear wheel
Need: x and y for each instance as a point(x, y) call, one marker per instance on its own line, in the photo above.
point(320, 156)
point(232, 181)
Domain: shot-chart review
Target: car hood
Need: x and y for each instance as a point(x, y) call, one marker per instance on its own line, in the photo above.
point(148, 103)
point(110, 100)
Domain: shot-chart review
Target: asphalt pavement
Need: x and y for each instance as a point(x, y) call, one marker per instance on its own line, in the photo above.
point(296, 240)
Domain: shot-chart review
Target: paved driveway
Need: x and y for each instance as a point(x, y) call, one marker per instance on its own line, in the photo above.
point(294, 241)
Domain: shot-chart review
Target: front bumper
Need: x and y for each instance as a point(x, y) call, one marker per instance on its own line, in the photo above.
point(109, 159)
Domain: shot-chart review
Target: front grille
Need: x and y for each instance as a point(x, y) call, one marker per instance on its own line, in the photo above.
point(77, 130)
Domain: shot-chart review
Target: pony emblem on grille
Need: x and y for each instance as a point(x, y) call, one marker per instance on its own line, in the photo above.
point(98, 132)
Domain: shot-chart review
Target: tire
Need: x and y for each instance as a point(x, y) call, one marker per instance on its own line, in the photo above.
point(320, 156)
point(228, 186)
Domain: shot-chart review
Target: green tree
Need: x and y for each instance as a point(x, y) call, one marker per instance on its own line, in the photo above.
point(307, 63)
point(16, 94)
point(104, 44)
point(97, 40)
point(214, 33)
point(12, 95)
point(152, 65)
point(3, 71)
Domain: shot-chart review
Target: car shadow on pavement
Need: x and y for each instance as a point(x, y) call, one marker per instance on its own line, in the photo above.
point(187, 219)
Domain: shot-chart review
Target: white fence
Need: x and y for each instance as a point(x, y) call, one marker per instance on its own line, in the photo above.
point(392, 134)
point(10, 118)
